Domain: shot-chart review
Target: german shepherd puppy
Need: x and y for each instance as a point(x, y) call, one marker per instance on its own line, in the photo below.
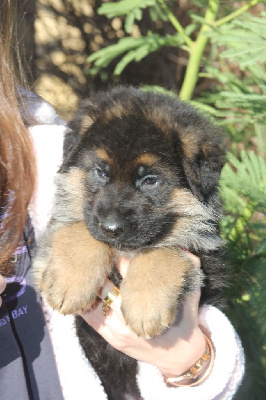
point(139, 178)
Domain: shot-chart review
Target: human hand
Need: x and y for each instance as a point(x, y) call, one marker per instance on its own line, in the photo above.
point(173, 352)
point(2, 287)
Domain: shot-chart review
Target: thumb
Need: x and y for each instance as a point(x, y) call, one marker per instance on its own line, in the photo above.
point(122, 266)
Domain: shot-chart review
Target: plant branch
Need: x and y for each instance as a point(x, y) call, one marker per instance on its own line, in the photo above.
point(176, 23)
point(241, 222)
point(235, 14)
point(191, 76)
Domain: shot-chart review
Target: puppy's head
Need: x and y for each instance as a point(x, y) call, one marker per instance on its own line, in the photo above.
point(150, 167)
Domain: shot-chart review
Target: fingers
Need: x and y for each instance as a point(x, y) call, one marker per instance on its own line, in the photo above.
point(194, 259)
point(111, 325)
point(191, 309)
point(122, 266)
point(191, 305)
point(2, 287)
point(109, 294)
point(107, 287)
point(2, 284)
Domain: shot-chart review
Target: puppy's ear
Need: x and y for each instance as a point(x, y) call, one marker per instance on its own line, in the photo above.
point(204, 152)
point(82, 120)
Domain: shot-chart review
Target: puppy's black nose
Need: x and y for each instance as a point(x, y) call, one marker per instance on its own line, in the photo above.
point(111, 228)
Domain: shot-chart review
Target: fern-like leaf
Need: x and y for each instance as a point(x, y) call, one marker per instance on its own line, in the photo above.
point(135, 49)
point(247, 177)
point(124, 7)
point(244, 38)
point(132, 9)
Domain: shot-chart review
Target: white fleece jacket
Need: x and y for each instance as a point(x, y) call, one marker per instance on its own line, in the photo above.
point(78, 379)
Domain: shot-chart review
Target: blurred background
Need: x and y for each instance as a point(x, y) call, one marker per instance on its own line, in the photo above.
point(211, 53)
point(57, 36)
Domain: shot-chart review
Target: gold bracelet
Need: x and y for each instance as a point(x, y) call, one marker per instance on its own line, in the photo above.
point(203, 365)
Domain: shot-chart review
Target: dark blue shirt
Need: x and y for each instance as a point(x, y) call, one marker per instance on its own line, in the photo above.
point(27, 364)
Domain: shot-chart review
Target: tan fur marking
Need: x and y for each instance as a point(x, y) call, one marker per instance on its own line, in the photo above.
point(115, 111)
point(76, 177)
point(192, 221)
point(86, 123)
point(182, 198)
point(190, 148)
point(146, 158)
point(75, 189)
point(189, 142)
point(161, 119)
point(102, 154)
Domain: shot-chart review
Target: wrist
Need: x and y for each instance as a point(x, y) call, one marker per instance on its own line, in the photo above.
point(198, 372)
point(188, 352)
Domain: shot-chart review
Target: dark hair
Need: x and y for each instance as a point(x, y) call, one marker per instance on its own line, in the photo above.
point(17, 169)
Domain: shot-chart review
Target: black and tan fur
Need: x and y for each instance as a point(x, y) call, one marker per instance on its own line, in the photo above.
point(139, 177)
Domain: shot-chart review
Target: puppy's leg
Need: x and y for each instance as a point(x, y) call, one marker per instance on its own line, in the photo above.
point(71, 266)
point(155, 283)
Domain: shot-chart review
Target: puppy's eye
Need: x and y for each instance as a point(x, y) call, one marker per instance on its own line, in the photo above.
point(150, 181)
point(101, 174)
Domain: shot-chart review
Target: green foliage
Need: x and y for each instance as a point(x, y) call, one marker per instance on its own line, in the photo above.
point(144, 45)
point(135, 48)
point(132, 48)
point(250, 178)
point(247, 45)
point(234, 61)
point(239, 102)
point(243, 188)
point(132, 9)
point(241, 97)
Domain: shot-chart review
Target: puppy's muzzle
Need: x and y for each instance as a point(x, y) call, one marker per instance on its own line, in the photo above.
point(111, 227)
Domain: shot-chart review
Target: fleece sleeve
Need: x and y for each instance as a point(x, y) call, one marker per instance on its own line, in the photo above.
point(77, 376)
point(227, 373)
point(47, 144)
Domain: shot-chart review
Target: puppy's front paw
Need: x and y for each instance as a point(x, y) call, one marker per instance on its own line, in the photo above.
point(62, 294)
point(67, 292)
point(75, 269)
point(150, 292)
point(147, 310)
